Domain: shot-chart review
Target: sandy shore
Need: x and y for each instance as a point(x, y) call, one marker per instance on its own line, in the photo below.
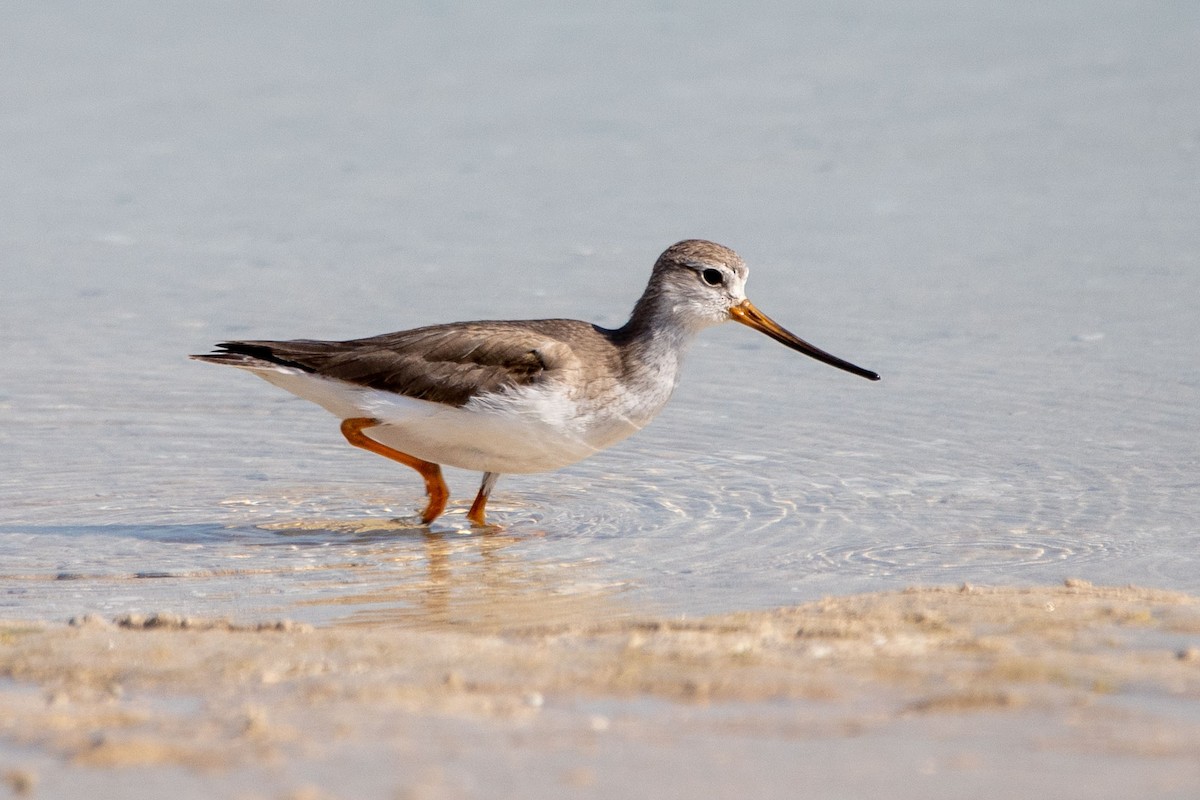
point(1089, 688)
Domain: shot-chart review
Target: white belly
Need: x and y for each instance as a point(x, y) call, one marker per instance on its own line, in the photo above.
point(526, 430)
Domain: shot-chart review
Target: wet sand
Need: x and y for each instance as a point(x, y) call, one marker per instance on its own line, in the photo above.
point(1088, 691)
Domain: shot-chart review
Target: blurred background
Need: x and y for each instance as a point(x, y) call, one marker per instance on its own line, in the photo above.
point(994, 206)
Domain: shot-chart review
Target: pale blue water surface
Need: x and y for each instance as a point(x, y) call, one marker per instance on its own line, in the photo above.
point(996, 207)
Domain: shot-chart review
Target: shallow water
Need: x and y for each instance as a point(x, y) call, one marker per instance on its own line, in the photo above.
point(995, 211)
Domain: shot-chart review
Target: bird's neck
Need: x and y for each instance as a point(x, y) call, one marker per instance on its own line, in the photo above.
point(653, 342)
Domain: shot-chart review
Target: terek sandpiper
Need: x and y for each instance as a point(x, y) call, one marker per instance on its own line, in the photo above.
point(517, 396)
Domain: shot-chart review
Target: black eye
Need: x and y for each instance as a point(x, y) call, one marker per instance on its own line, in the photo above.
point(713, 277)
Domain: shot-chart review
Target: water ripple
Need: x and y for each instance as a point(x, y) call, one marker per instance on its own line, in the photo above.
point(931, 560)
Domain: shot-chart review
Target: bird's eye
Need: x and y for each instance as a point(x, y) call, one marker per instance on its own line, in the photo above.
point(713, 277)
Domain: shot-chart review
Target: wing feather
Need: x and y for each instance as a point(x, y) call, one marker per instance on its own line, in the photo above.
point(441, 363)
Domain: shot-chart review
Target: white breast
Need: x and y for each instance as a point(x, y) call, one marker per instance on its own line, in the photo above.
point(531, 429)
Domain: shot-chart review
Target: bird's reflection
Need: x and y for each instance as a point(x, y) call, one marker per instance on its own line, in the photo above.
point(478, 581)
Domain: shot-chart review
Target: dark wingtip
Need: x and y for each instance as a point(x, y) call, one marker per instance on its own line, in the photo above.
point(249, 353)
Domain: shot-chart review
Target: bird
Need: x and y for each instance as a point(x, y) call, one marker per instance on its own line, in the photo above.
point(516, 396)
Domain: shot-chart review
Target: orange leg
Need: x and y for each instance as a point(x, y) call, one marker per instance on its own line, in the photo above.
point(435, 485)
point(485, 489)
